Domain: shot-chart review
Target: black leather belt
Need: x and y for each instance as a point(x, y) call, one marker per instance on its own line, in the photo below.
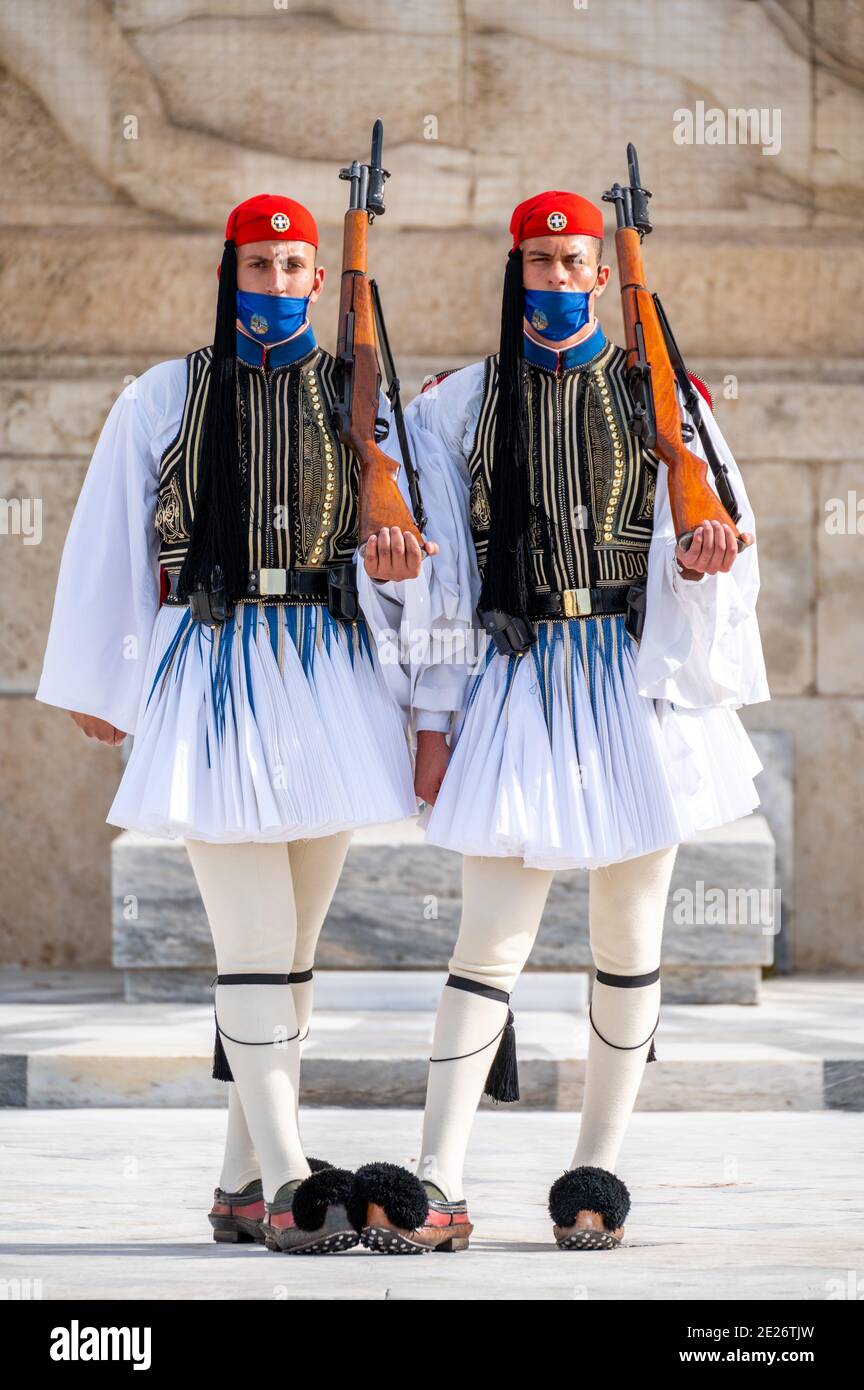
point(580, 603)
point(273, 583)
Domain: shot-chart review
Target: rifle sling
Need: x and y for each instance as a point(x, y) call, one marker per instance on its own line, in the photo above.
point(395, 399)
point(693, 405)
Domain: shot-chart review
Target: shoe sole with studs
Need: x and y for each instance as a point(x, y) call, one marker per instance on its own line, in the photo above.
point(330, 1244)
point(589, 1240)
point(334, 1235)
point(389, 1242)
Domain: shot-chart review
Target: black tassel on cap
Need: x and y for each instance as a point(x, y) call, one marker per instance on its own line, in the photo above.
point(502, 1083)
point(505, 579)
point(218, 541)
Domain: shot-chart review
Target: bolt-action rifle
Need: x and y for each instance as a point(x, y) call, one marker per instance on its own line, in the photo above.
point(654, 364)
point(361, 333)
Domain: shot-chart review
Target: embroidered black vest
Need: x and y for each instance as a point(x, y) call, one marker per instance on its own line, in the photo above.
point(299, 483)
point(591, 483)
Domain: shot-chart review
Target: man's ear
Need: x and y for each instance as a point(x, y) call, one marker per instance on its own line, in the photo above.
point(318, 282)
point(602, 283)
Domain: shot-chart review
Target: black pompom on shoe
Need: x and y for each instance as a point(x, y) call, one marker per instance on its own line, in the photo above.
point(588, 1207)
point(308, 1216)
point(316, 1164)
point(325, 1187)
point(392, 1187)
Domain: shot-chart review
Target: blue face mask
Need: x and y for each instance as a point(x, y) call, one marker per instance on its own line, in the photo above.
point(271, 317)
point(558, 314)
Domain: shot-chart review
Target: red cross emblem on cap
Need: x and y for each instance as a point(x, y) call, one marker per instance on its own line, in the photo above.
point(268, 215)
point(556, 210)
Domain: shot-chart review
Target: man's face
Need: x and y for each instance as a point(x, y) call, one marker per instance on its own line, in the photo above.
point(279, 267)
point(563, 263)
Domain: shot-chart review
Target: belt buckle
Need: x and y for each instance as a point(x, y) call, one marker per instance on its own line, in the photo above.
point(576, 602)
point(272, 581)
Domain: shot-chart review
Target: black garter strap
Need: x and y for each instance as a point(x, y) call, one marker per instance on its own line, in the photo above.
point(627, 982)
point(221, 1067)
point(488, 992)
point(474, 987)
point(298, 977)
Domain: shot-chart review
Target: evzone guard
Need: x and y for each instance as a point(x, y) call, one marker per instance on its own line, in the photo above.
point(207, 603)
point(586, 544)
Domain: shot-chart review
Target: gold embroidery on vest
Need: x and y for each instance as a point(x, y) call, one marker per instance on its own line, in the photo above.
point(647, 508)
point(318, 471)
point(175, 504)
point(169, 514)
point(481, 513)
point(330, 474)
point(605, 456)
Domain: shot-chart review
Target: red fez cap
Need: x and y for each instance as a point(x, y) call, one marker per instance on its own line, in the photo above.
point(270, 217)
point(555, 213)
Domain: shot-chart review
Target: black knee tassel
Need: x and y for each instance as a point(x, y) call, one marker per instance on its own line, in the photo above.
point(221, 1068)
point(502, 1083)
point(652, 1054)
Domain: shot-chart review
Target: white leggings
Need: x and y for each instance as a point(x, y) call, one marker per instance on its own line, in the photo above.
point(502, 904)
point(266, 904)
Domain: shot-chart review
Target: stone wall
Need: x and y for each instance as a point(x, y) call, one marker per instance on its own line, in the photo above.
point(108, 248)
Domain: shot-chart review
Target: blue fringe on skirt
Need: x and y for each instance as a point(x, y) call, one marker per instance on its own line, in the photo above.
point(558, 759)
point(278, 724)
point(305, 625)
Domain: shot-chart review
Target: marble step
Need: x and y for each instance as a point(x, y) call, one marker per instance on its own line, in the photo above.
point(397, 908)
point(801, 1050)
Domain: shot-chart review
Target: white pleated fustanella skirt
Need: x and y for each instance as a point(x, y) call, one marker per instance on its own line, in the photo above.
point(557, 758)
point(275, 725)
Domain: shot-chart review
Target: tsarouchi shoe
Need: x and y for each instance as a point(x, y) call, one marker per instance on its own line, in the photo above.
point(236, 1217)
point(397, 1214)
point(308, 1215)
point(588, 1207)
